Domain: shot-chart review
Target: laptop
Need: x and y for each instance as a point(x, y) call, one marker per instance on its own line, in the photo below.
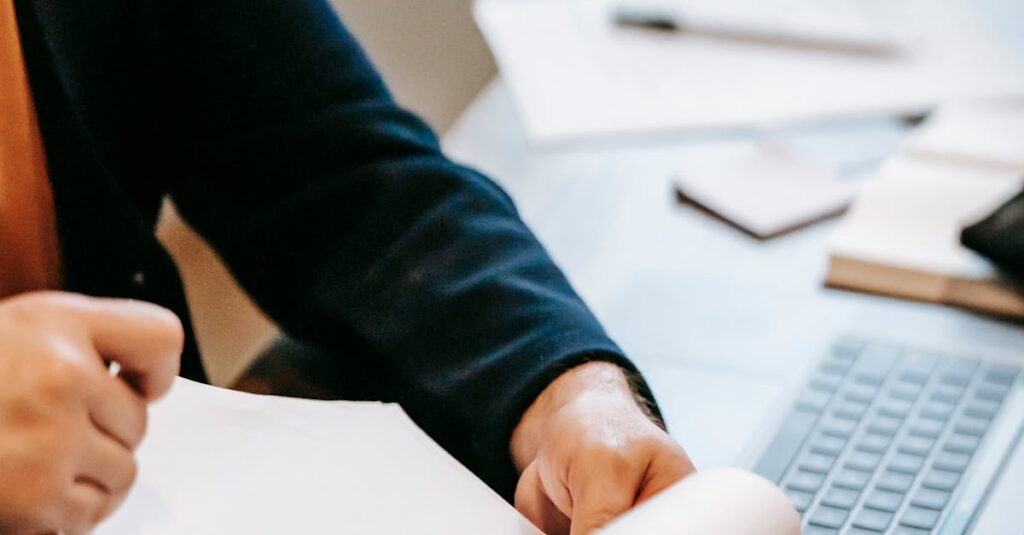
point(885, 438)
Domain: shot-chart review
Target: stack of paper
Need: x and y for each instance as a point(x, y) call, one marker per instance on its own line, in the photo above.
point(222, 462)
point(902, 234)
point(576, 74)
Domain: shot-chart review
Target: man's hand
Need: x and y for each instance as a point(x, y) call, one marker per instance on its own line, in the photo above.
point(68, 428)
point(588, 452)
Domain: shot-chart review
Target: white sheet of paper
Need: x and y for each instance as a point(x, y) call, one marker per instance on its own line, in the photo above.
point(576, 75)
point(220, 462)
point(768, 191)
point(987, 133)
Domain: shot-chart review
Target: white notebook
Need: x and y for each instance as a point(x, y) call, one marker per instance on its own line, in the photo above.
point(221, 462)
point(901, 237)
point(576, 75)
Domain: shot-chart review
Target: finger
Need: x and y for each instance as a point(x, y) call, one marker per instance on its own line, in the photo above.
point(118, 411)
point(114, 501)
point(603, 487)
point(532, 501)
point(665, 471)
point(84, 502)
point(106, 463)
point(144, 339)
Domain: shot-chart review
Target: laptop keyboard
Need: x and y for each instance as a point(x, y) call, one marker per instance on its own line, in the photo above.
point(881, 437)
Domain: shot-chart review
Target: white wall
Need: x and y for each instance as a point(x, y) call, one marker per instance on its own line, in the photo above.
point(429, 51)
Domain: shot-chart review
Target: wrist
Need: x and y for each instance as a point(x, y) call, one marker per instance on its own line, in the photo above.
point(602, 382)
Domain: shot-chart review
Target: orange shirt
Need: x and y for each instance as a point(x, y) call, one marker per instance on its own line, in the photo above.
point(29, 249)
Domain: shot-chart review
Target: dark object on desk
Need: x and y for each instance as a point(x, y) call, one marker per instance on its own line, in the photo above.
point(1000, 236)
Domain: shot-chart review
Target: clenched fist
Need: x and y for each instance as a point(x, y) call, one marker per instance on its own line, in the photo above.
point(68, 426)
point(588, 452)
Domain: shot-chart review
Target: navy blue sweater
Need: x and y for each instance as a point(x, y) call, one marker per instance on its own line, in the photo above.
point(332, 206)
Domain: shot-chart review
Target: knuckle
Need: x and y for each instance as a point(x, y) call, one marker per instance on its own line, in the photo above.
point(65, 375)
point(45, 490)
point(130, 471)
point(78, 516)
point(140, 421)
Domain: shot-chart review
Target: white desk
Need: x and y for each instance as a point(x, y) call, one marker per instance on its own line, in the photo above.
point(720, 323)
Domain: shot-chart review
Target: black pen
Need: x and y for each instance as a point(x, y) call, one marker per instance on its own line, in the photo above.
point(851, 39)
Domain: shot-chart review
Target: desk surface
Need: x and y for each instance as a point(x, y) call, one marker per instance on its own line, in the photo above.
point(721, 324)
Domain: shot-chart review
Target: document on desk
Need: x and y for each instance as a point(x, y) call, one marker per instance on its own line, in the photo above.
point(222, 462)
point(576, 74)
point(219, 462)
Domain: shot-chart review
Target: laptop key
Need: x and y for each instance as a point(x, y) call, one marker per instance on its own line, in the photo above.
point(860, 393)
point(959, 365)
point(877, 359)
point(971, 426)
point(895, 481)
point(994, 393)
point(1002, 374)
point(850, 410)
point(872, 519)
point(982, 409)
point(940, 480)
point(918, 361)
point(937, 410)
point(828, 517)
point(873, 443)
point(817, 463)
point(801, 500)
point(905, 392)
point(953, 462)
point(947, 394)
point(895, 408)
point(916, 445)
point(930, 498)
point(907, 464)
point(827, 445)
point(805, 481)
point(884, 500)
point(926, 428)
point(917, 517)
point(818, 530)
point(955, 378)
point(837, 427)
point(958, 443)
point(851, 479)
point(863, 461)
point(840, 497)
point(905, 530)
point(884, 425)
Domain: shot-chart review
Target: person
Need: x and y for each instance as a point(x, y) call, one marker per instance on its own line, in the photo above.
point(336, 211)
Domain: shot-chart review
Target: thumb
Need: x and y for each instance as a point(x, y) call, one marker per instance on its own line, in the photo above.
point(601, 493)
point(533, 502)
